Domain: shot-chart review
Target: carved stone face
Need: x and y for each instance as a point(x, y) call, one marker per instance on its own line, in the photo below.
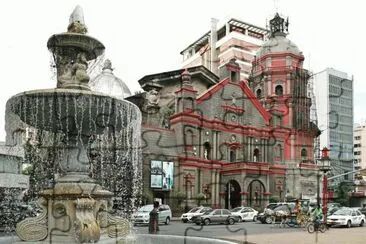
point(152, 97)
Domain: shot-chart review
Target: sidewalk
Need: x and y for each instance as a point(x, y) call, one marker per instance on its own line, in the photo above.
point(333, 236)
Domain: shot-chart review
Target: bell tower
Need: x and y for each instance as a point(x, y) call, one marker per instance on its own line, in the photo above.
point(280, 83)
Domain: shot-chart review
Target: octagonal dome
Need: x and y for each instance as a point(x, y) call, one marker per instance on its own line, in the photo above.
point(278, 44)
point(109, 84)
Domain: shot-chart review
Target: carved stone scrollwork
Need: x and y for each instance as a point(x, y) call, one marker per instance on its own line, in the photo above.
point(86, 226)
point(34, 229)
point(118, 227)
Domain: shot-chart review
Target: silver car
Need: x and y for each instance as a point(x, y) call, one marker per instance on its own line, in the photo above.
point(218, 216)
point(142, 216)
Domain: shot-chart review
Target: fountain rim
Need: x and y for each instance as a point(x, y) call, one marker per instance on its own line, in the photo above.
point(64, 94)
point(67, 91)
point(93, 51)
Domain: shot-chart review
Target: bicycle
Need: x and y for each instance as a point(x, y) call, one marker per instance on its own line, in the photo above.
point(305, 220)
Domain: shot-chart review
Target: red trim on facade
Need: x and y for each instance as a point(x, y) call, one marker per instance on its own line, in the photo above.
point(234, 145)
point(187, 90)
point(188, 110)
point(255, 101)
point(185, 113)
point(232, 67)
point(257, 172)
point(287, 149)
point(233, 168)
point(267, 193)
point(276, 55)
point(215, 124)
point(212, 91)
point(233, 108)
point(277, 111)
point(189, 177)
point(244, 193)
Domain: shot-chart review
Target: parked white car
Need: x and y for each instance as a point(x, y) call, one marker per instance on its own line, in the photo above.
point(142, 216)
point(245, 213)
point(346, 217)
point(194, 212)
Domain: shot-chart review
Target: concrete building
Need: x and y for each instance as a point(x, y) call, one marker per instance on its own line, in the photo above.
point(235, 39)
point(359, 147)
point(12, 181)
point(228, 141)
point(358, 196)
point(334, 97)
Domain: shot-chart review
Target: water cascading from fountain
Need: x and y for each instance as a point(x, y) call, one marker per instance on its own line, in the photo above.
point(73, 124)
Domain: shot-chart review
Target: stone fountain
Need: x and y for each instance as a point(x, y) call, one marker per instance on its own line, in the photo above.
point(76, 209)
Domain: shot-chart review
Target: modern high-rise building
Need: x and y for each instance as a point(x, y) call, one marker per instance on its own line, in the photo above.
point(236, 39)
point(334, 98)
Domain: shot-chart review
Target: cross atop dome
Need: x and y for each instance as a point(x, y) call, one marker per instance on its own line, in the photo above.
point(278, 26)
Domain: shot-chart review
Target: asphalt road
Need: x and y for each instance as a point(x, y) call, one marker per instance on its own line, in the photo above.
point(254, 232)
point(216, 231)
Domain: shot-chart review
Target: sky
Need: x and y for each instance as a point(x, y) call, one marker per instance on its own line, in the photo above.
point(144, 37)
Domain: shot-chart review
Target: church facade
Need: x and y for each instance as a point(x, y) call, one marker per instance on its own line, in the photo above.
point(226, 142)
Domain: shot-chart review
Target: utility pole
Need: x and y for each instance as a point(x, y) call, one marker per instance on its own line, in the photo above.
point(229, 193)
point(318, 188)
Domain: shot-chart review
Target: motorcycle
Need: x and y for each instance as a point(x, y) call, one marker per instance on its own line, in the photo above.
point(316, 225)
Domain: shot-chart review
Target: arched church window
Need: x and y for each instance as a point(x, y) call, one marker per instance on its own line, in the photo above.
point(256, 155)
point(207, 150)
point(279, 90)
point(259, 93)
point(232, 155)
point(304, 154)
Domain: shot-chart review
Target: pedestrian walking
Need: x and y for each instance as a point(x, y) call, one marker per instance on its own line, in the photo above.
point(154, 219)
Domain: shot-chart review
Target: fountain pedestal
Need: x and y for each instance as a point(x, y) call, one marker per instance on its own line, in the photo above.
point(72, 212)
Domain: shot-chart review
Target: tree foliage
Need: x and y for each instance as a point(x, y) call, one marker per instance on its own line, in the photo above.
point(342, 193)
point(274, 199)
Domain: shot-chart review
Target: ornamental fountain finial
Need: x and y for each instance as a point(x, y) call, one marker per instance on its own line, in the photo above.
point(72, 51)
point(76, 21)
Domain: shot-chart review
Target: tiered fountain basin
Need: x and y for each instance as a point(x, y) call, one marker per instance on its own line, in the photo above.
point(76, 208)
point(72, 111)
point(66, 44)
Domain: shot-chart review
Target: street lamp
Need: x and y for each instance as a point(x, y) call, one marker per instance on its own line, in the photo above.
point(324, 166)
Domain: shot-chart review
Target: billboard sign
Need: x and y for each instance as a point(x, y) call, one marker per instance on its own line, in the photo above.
point(161, 174)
